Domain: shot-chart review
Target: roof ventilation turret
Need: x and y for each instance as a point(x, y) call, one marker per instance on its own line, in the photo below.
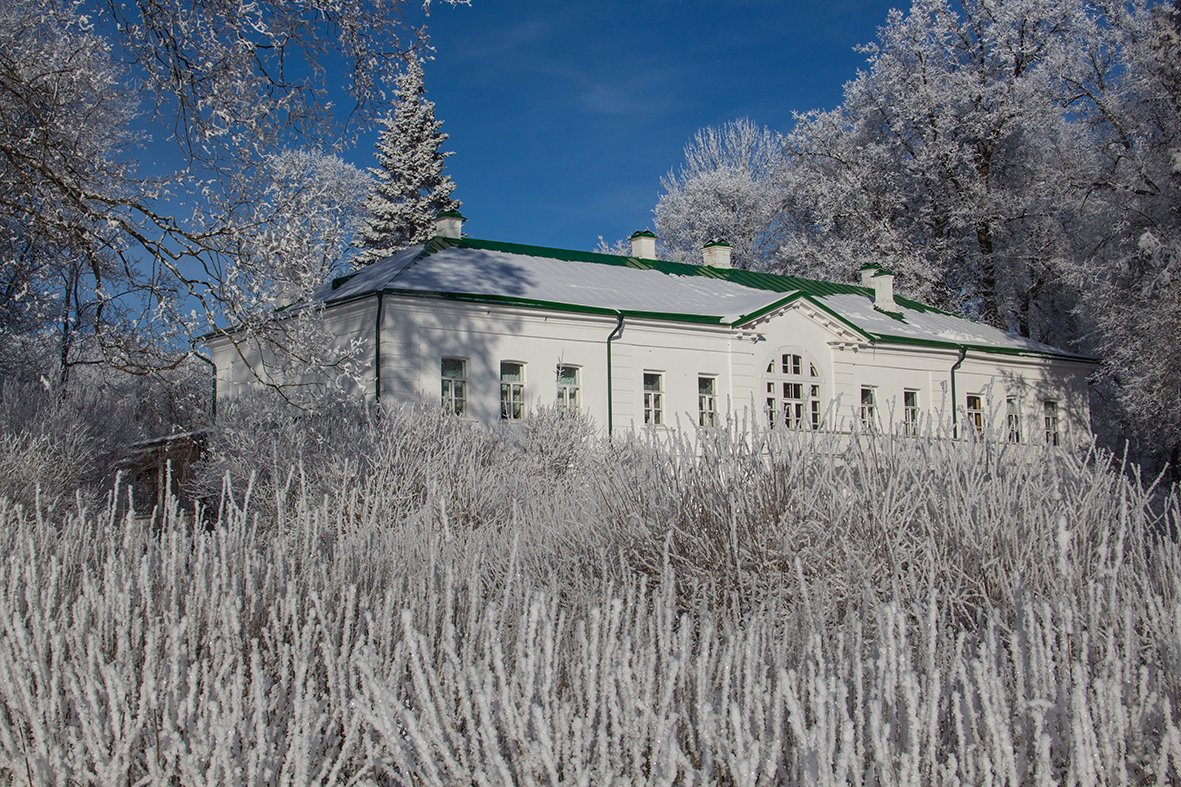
point(449, 224)
point(643, 244)
point(883, 291)
point(716, 253)
point(868, 271)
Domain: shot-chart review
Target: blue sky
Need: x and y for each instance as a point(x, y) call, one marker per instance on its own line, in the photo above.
point(564, 116)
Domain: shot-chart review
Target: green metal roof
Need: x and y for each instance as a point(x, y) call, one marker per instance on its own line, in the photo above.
point(754, 279)
point(849, 304)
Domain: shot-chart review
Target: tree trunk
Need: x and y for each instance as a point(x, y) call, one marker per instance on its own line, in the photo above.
point(989, 312)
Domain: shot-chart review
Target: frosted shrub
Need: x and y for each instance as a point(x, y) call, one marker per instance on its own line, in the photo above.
point(426, 601)
point(57, 444)
point(865, 513)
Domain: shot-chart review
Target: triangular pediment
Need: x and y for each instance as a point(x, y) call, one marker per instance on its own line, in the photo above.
point(840, 330)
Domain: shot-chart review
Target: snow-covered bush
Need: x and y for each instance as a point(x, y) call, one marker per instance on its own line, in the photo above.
point(55, 444)
point(427, 601)
point(863, 513)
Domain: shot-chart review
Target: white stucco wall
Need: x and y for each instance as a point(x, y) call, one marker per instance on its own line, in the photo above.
point(245, 362)
point(417, 333)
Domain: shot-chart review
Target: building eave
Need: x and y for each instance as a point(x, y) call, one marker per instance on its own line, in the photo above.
point(914, 341)
point(532, 303)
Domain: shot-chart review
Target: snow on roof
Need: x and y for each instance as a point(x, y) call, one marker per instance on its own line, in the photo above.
point(557, 278)
point(459, 269)
point(931, 325)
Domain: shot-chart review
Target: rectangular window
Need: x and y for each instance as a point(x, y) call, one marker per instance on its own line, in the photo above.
point(792, 403)
point(653, 399)
point(1050, 417)
point(1013, 419)
point(707, 401)
point(792, 364)
point(454, 376)
point(512, 391)
point(869, 408)
point(814, 403)
point(910, 412)
point(976, 413)
point(569, 388)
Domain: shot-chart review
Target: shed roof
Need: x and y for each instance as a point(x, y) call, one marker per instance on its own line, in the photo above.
point(568, 280)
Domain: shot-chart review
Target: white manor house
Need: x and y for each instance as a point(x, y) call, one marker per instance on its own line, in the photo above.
point(497, 330)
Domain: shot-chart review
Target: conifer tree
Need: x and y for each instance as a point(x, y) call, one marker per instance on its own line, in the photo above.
point(411, 189)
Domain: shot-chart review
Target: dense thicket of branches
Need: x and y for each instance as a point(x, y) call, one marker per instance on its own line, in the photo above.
point(417, 599)
point(1018, 161)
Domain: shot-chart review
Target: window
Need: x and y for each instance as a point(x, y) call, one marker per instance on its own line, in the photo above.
point(569, 390)
point(454, 376)
point(653, 398)
point(707, 401)
point(869, 408)
point(976, 413)
point(910, 412)
point(512, 391)
point(1013, 419)
point(793, 392)
point(1050, 417)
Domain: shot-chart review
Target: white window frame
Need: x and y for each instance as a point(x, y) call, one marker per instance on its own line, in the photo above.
point(512, 393)
point(707, 401)
point(975, 415)
point(869, 407)
point(569, 393)
point(1052, 421)
point(911, 412)
point(653, 398)
point(454, 388)
point(1013, 419)
point(792, 385)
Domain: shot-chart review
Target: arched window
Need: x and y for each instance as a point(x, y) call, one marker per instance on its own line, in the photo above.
point(792, 385)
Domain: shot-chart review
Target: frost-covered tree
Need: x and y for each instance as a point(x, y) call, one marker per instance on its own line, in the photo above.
point(304, 225)
point(411, 188)
point(64, 113)
point(135, 258)
point(299, 235)
point(950, 158)
point(1133, 276)
point(724, 188)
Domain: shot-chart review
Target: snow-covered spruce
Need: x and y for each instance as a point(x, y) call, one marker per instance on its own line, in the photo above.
point(411, 189)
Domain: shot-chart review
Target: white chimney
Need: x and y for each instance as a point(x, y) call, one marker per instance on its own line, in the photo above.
point(449, 224)
point(868, 271)
point(643, 244)
point(716, 253)
point(883, 291)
